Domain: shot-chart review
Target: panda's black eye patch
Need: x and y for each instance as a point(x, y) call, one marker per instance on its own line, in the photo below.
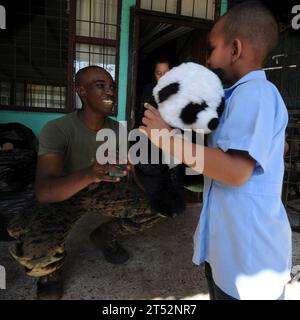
point(219, 72)
point(189, 113)
point(168, 91)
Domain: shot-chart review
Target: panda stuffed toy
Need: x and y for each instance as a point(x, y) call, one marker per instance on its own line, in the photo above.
point(189, 96)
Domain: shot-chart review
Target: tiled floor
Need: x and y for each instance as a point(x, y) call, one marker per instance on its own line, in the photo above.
point(160, 266)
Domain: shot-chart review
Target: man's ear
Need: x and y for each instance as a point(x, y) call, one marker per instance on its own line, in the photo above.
point(236, 49)
point(81, 91)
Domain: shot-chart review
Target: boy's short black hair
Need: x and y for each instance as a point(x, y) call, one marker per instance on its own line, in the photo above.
point(81, 72)
point(253, 21)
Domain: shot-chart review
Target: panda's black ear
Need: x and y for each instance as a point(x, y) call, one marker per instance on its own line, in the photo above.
point(152, 102)
point(219, 72)
point(168, 91)
point(221, 108)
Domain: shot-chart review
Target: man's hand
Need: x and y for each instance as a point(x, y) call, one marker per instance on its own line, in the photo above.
point(51, 186)
point(100, 173)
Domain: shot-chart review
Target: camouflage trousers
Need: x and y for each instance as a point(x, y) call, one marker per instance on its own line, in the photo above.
point(41, 230)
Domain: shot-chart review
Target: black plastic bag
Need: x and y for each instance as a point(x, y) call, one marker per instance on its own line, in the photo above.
point(17, 165)
point(17, 134)
point(18, 158)
point(12, 204)
point(17, 169)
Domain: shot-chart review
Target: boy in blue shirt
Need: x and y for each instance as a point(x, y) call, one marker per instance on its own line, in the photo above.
point(243, 235)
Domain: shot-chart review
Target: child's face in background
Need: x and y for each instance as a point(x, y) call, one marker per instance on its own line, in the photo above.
point(220, 53)
point(160, 70)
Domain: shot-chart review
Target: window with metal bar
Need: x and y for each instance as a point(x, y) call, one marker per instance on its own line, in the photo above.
point(97, 35)
point(47, 42)
point(204, 9)
point(33, 55)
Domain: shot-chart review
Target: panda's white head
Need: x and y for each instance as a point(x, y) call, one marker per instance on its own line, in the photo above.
point(190, 96)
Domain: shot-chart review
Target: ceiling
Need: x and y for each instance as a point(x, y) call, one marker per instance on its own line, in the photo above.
point(153, 34)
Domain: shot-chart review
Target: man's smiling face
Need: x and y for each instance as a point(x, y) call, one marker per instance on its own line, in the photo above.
point(97, 91)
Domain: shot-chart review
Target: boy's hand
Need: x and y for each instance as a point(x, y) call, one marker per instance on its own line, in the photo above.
point(155, 127)
point(153, 120)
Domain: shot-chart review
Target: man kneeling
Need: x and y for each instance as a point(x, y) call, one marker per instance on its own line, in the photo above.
point(69, 182)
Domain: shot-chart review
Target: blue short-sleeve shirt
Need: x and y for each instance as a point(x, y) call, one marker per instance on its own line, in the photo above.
point(244, 232)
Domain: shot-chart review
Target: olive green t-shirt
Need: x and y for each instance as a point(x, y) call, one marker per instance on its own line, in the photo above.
point(70, 137)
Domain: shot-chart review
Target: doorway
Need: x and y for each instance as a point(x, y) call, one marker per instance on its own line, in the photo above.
point(155, 35)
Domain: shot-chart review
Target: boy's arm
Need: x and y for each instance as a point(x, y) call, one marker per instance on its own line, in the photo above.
point(232, 167)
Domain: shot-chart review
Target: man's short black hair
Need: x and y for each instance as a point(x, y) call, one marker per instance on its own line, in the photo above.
point(253, 21)
point(81, 72)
